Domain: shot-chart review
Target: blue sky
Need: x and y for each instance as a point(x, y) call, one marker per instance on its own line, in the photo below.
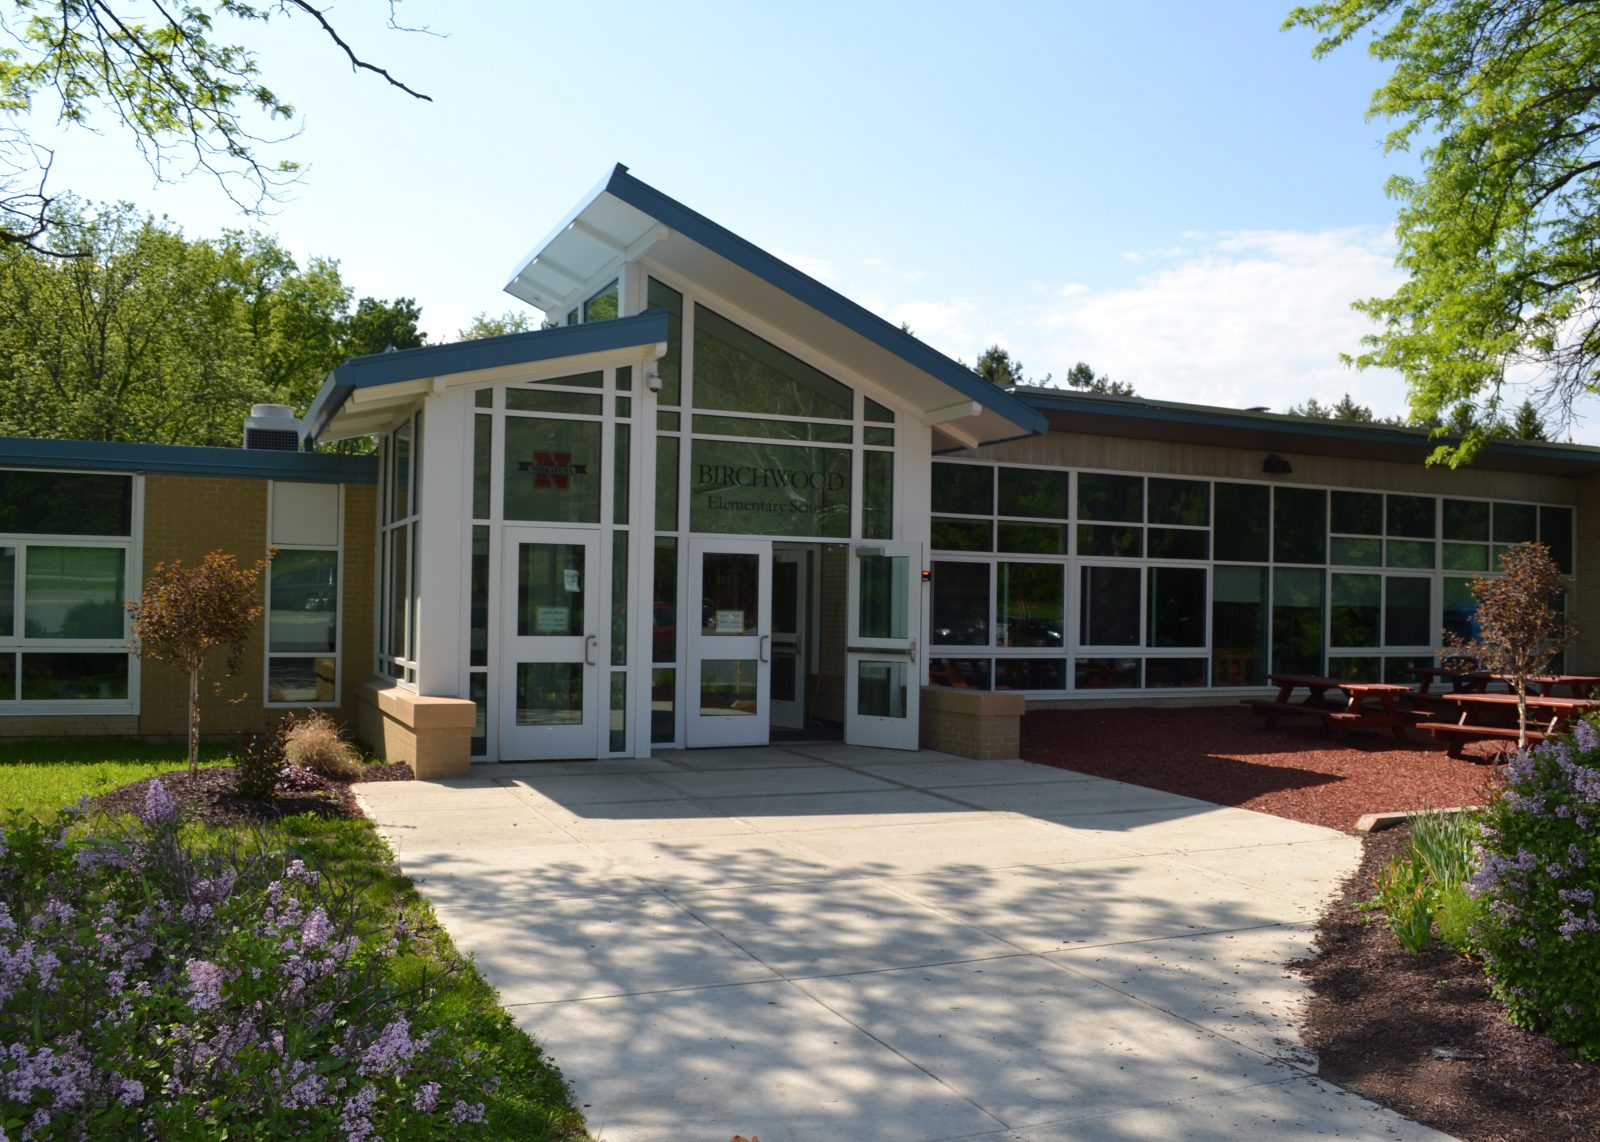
point(1177, 193)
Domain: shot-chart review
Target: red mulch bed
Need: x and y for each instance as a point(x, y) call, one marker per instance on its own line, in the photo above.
point(1419, 1034)
point(1228, 755)
point(209, 798)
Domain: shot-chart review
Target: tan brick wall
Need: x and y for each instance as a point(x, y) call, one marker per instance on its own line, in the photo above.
point(431, 735)
point(69, 726)
point(972, 723)
point(185, 517)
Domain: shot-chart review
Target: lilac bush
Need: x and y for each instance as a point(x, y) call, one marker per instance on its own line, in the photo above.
point(1540, 932)
point(152, 987)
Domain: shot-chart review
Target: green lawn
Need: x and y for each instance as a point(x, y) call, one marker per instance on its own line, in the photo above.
point(533, 1101)
point(40, 777)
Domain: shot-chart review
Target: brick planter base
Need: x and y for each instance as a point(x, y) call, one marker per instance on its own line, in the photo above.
point(972, 723)
point(431, 735)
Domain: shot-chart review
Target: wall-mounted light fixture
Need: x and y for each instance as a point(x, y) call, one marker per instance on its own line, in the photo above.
point(1275, 465)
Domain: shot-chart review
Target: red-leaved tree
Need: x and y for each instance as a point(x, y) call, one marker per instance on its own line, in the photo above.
point(1522, 623)
point(187, 612)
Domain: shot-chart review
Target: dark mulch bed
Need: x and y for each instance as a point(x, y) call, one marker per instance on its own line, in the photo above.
point(1419, 1034)
point(1226, 754)
point(209, 798)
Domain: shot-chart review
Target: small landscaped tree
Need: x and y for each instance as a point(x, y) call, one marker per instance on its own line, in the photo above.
point(187, 612)
point(1522, 623)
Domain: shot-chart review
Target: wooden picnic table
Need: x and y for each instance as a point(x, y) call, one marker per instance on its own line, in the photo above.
point(1551, 685)
point(1462, 681)
point(1354, 712)
point(1494, 716)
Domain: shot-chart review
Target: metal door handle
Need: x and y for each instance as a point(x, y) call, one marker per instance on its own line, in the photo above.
point(761, 648)
point(911, 651)
point(591, 643)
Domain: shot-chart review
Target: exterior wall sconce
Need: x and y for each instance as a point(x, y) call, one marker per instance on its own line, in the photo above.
point(1275, 465)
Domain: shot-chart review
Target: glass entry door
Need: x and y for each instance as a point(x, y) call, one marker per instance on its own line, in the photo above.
point(789, 623)
point(553, 654)
point(730, 646)
point(883, 690)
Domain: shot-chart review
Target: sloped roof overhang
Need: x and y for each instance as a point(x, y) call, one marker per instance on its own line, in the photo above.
point(186, 460)
point(1102, 415)
point(624, 219)
point(366, 394)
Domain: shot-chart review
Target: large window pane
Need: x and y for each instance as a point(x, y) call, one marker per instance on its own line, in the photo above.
point(1466, 520)
point(884, 611)
point(1412, 516)
point(552, 470)
point(1348, 551)
point(301, 680)
point(73, 592)
point(603, 305)
point(8, 591)
point(1515, 523)
point(736, 371)
point(482, 446)
point(1299, 525)
point(1030, 674)
point(1033, 538)
point(960, 604)
point(1358, 513)
point(1416, 553)
point(1033, 492)
point(1555, 532)
point(965, 673)
point(667, 483)
point(769, 489)
point(663, 705)
point(622, 452)
point(824, 432)
point(573, 404)
point(65, 503)
point(669, 368)
point(1030, 604)
point(962, 534)
point(478, 637)
point(1177, 608)
point(664, 628)
point(963, 489)
point(1176, 542)
point(1162, 673)
point(1109, 606)
point(619, 598)
point(1238, 626)
point(303, 607)
point(1355, 609)
point(1106, 539)
point(1186, 502)
point(1460, 609)
point(1241, 523)
point(1106, 673)
point(552, 581)
point(1296, 620)
point(1406, 608)
point(1116, 498)
point(74, 677)
point(877, 495)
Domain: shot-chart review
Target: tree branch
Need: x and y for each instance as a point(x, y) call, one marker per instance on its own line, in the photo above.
point(356, 62)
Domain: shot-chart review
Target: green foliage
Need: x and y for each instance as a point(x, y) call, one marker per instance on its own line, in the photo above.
point(188, 100)
point(378, 326)
point(155, 337)
point(1081, 376)
point(1498, 236)
point(1345, 409)
point(185, 613)
point(483, 325)
point(1540, 928)
point(997, 366)
point(1522, 622)
point(1426, 884)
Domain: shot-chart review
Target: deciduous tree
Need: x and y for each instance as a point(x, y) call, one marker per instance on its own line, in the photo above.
point(1522, 623)
point(185, 613)
point(1500, 234)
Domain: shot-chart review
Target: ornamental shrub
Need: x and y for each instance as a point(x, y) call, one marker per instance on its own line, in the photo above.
point(1540, 932)
point(316, 743)
point(1425, 885)
point(154, 988)
point(259, 765)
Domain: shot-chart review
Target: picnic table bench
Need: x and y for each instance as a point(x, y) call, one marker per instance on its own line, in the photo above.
point(1494, 716)
point(1463, 680)
point(1551, 685)
point(1354, 712)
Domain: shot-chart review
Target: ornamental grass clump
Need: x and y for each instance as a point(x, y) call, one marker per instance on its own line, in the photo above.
point(316, 743)
point(1540, 931)
point(152, 986)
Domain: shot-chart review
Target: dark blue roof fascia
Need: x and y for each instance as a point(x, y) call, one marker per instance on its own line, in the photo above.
point(185, 460)
point(828, 302)
point(1205, 416)
point(377, 369)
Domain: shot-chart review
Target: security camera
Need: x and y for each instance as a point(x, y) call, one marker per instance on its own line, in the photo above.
point(652, 379)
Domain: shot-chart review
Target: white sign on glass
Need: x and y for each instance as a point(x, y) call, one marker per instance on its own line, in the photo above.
point(550, 620)
point(570, 575)
point(730, 622)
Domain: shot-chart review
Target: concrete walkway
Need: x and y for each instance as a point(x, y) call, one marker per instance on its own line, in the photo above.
point(828, 942)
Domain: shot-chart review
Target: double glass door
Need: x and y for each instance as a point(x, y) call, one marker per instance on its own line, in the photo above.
point(729, 700)
point(552, 646)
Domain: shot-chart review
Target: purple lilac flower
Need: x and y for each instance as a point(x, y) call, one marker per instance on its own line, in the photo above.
point(317, 931)
point(427, 1098)
point(159, 808)
point(356, 1115)
point(1587, 736)
point(205, 984)
point(466, 1111)
point(130, 1092)
point(393, 1050)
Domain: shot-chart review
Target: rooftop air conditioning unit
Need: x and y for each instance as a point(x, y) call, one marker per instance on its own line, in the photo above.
point(273, 427)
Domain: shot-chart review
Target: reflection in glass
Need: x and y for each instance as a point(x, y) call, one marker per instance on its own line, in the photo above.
point(881, 689)
point(877, 495)
point(623, 452)
point(478, 691)
point(482, 447)
point(664, 621)
point(65, 503)
point(1185, 502)
point(1030, 602)
point(303, 601)
point(74, 677)
point(603, 305)
point(730, 584)
point(1299, 525)
point(1406, 604)
point(1177, 608)
point(1241, 523)
point(1037, 493)
point(964, 673)
point(1177, 543)
point(963, 489)
point(1358, 513)
point(1238, 626)
point(728, 687)
point(765, 427)
point(667, 483)
point(960, 604)
point(8, 677)
point(552, 470)
point(1161, 673)
point(1515, 523)
point(885, 608)
point(619, 598)
point(1415, 553)
point(73, 592)
point(300, 680)
point(478, 627)
point(537, 400)
point(1101, 539)
point(8, 593)
point(1412, 516)
point(962, 534)
point(1351, 552)
point(769, 489)
point(1555, 532)
point(1354, 610)
point(1106, 673)
point(549, 694)
point(669, 367)
point(618, 736)
point(1109, 606)
point(1116, 498)
point(663, 705)
point(1467, 520)
point(1466, 557)
point(736, 371)
point(1296, 620)
point(552, 582)
point(1030, 674)
point(1354, 667)
point(1033, 538)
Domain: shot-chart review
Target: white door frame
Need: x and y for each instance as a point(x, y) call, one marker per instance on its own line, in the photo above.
point(581, 739)
point(883, 688)
point(750, 646)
